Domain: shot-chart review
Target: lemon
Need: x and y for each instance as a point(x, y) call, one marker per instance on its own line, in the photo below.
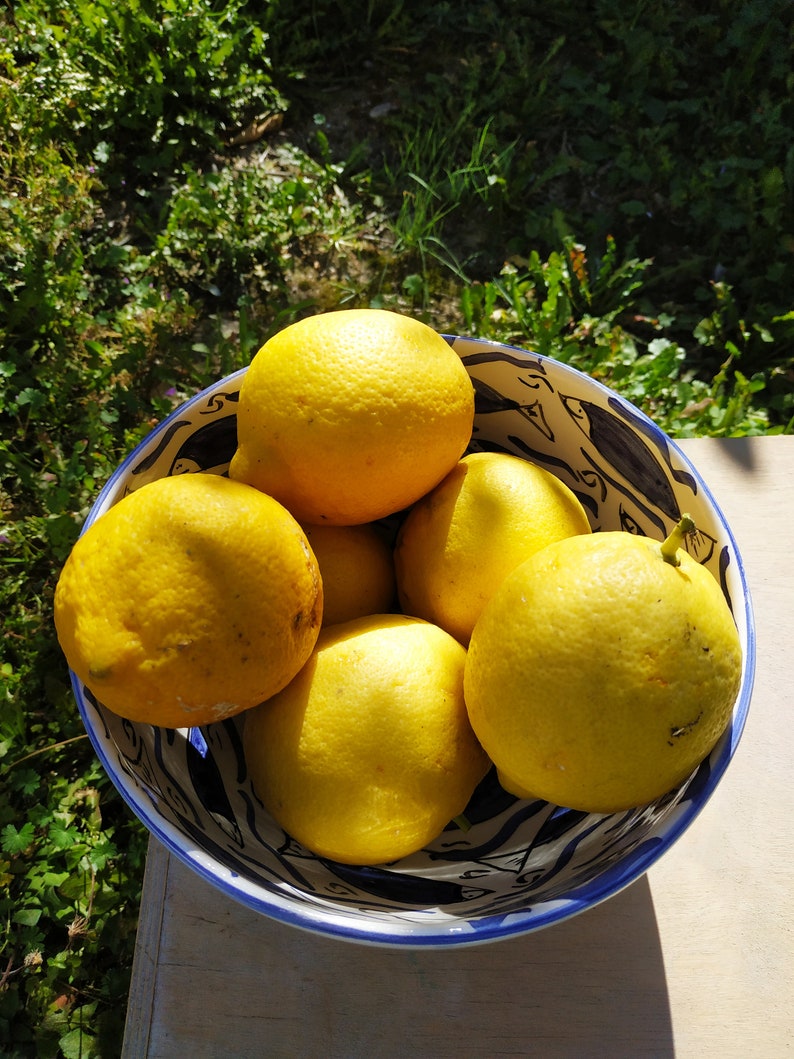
point(349, 416)
point(600, 674)
point(357, 569)
point(458, 543)
point(368, 753)
point(189, 600)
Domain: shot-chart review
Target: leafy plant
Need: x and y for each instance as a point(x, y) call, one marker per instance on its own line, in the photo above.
point(250, 221)
point(434, 188)
point(634, 122)
point(144, 85)
point(591, 317)
point(71, 884)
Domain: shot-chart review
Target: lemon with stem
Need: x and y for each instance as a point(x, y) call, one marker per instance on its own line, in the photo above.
point(603, 671)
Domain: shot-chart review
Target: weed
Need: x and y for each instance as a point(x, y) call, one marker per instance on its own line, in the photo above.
point(71, 875)
point(434, 188)
point(222, 227)
point(141, 87)
point(590, 317)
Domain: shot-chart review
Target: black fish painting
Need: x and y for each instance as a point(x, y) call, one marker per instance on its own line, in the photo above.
point(618, 443)
point(487, 401)
point(402, 887)
point(617, 438)
point(210, 448)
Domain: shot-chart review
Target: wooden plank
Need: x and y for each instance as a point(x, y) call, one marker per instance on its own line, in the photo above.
point(236, 985)
point(140, 1004)
point(695, 959)
point(723, 896)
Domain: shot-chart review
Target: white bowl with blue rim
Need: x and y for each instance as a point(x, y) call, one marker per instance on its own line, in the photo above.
point(522, 865)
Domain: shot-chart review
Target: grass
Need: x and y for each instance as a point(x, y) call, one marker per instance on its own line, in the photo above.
point(612, 186)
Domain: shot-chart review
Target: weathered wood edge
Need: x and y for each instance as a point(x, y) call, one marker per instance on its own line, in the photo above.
point(143, 985)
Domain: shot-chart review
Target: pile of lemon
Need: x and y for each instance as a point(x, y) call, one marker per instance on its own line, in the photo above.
point(381, 673)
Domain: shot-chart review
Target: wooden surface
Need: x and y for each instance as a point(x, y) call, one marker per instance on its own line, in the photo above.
point(696, 959)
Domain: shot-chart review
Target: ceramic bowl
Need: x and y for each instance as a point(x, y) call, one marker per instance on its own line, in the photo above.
point(523, 865)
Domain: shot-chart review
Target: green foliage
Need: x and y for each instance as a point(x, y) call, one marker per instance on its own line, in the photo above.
point(143, 85)
point(590, 316)
point(179, 179)
point(437, 189)
point(249, 221)
point(665, 126)
point(70, 887)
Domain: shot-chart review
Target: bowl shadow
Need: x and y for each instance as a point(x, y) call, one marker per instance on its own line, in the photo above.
point(591, 985)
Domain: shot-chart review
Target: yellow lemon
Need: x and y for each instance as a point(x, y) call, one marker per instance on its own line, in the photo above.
point(348, 416)
point(189, 600)
point(357, 569)
point(458, 543)
point(600, 674)
point(368, 753)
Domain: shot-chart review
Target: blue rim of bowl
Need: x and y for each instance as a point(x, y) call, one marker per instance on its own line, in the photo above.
point(485, 928)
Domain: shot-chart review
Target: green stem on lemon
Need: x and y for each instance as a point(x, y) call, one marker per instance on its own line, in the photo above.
point(462, 822)
point(669, 547)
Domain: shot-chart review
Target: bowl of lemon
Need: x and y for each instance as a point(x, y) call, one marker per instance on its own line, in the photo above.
point(409, 639)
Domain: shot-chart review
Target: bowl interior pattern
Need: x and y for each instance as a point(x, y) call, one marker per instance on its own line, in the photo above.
point(522, 865)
